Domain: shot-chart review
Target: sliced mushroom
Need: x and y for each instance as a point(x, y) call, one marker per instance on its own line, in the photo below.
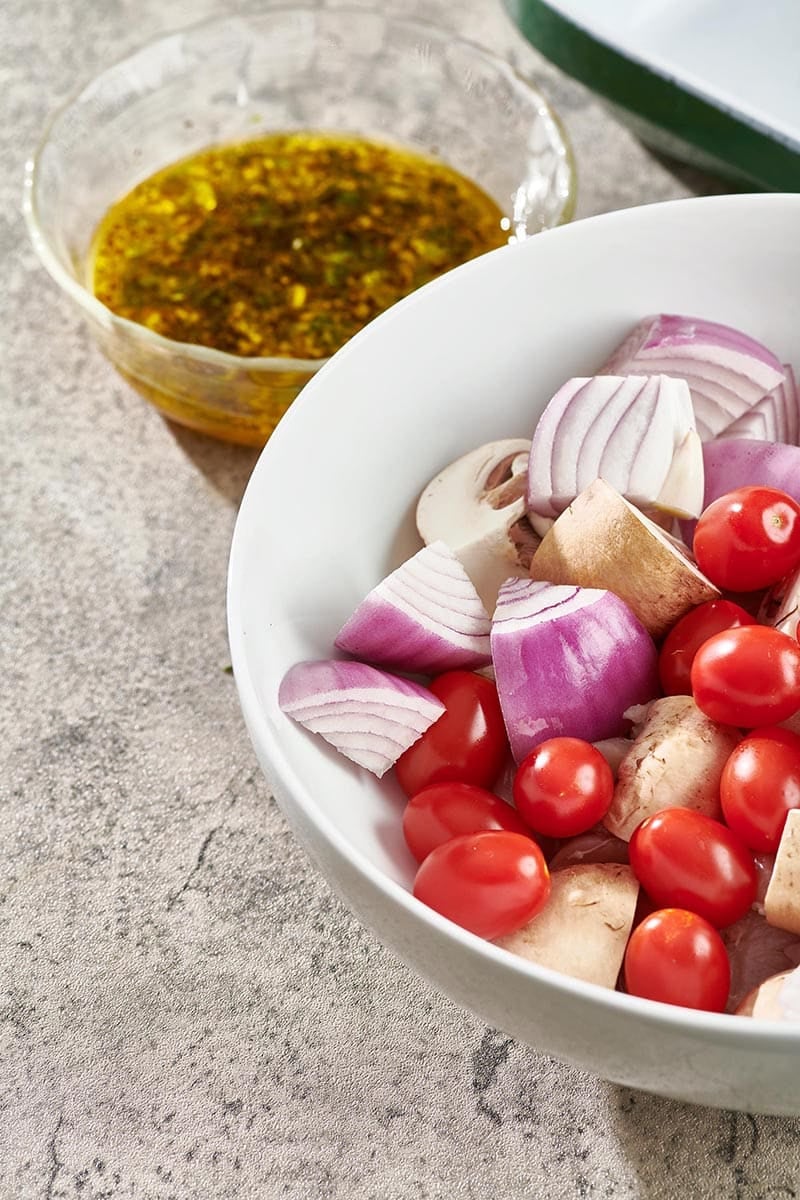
point(614, 750)
point(583, 929)
point(768, 1002)
point(682, 490)
point(782, 901)
point(602, 541)
point(477, 507)
point(757, 951)
point(675, 762)
point(781, 605)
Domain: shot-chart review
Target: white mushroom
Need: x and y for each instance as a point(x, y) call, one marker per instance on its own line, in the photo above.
point(477, 507)
point(583, 929)
point(602, 541)
point(682, 490)
point(614, 750)
point(782, 901)
point(756, 951)
point(776, 999)
point(675, 762)
point(781, 605)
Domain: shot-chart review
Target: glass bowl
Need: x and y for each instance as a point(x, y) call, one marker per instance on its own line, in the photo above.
point(232, 78)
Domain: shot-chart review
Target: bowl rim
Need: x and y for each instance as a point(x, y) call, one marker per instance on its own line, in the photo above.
point(106, 317)
point(769, 1035)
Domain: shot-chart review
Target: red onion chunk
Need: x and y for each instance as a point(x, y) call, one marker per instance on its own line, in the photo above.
point(637, 433)
point(568, 661)
point(727, 371)
point(757, 952)
point(366, 714)
point(425, 617)
point(739, 462)
point(595, 846)
point(791, 394)
point(774, 419)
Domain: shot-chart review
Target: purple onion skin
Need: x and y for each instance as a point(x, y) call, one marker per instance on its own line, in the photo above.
point(740, 462)
point(381, 634)
point(574, 676)
point(671, 331)
point(376, 716)
point(304, 679)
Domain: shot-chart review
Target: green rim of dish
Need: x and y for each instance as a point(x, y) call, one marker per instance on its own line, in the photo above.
point(657, 108)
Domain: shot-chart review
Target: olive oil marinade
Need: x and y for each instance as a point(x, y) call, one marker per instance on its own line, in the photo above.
point(288, 244)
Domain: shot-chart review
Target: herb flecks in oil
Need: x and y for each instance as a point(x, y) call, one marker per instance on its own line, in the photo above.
point(287, 245)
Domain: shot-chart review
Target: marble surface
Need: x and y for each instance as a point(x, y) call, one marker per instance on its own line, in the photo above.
point(185, 1009)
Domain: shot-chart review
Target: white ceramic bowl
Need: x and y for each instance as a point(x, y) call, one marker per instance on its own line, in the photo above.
point(473, 357)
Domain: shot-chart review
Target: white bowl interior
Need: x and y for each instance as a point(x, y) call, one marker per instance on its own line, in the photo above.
point(472, 357)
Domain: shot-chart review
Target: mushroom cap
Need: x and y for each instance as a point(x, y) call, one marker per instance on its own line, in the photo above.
point(477, 495)
point(477, 507)
point(764, 1002)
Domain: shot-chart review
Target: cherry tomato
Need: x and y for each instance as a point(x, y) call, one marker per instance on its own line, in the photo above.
point(748, 676)
point(445, 810)
point(563, 787)
point(684, 859)
point(687, 636)
point(760, 783)
point(678, 958)
point(748, 538)
point(491, 883)
point(467, 744)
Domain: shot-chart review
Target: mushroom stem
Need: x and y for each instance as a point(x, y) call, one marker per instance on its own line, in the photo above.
point(477, 507)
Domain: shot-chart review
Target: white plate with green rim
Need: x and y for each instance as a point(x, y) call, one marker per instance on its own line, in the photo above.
point(713, 82)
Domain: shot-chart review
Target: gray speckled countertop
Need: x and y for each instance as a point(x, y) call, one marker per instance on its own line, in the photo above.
point(186, 1012)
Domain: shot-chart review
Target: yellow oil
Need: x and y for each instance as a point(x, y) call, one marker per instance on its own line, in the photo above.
point(286, 245)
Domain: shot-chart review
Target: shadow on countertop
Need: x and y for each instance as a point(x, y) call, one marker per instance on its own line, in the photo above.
point(226, 466)
point(748, 1157)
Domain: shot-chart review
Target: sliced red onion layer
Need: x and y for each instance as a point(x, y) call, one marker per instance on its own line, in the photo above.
point(791, 394)
point(738, 462)
point(568, 661)
point(366, 714)
point(425, 617)
point(627, 431)
point(774, 419)
point(727, 371)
